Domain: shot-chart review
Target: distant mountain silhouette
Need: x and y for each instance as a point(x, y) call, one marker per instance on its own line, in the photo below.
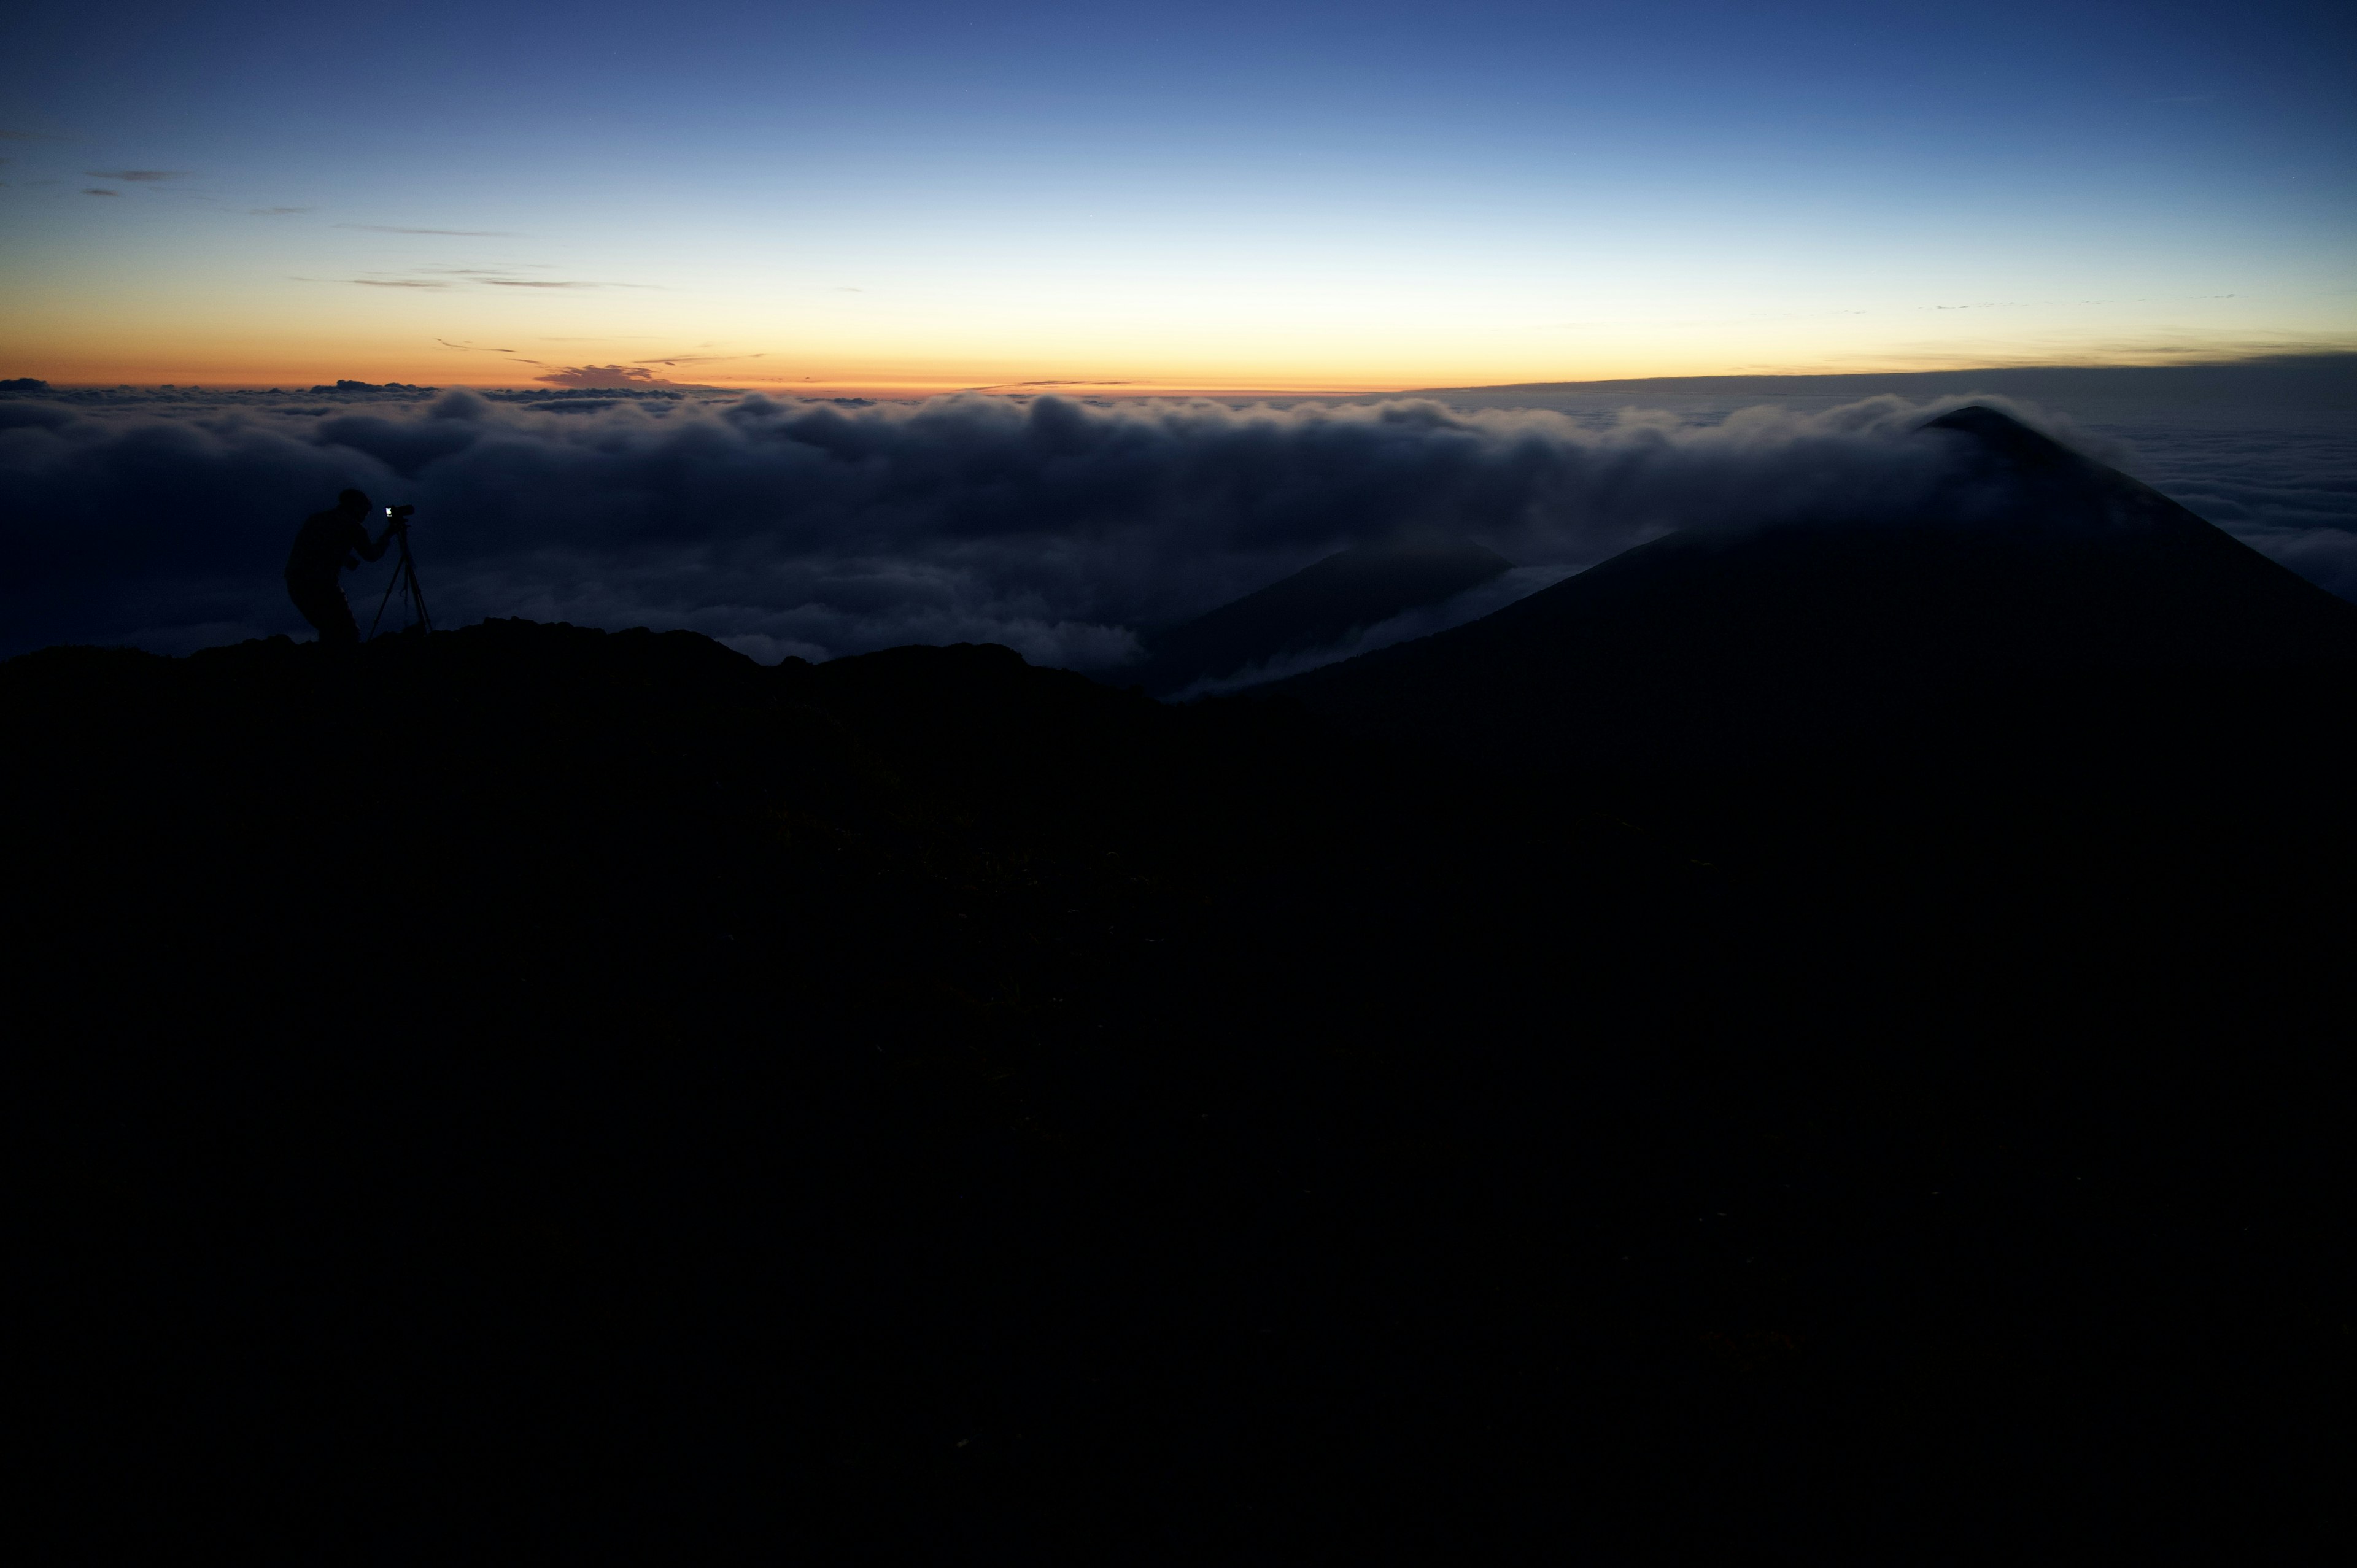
point(2033, 564)
point(2304, 381)
point(1316, 607)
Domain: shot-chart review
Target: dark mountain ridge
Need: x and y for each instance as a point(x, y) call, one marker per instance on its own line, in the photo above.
point(1318, 607)
point(2032, 566)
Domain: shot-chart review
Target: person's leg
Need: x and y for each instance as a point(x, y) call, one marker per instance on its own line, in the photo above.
point(323, 606)
point(339, 628)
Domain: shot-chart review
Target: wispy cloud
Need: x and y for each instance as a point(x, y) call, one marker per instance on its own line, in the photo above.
point(458, 233)
point(678, 360)
point(138, 176)
point(487, 349)
point(399, 283)
point(1027, 386)
point(93, 191)
point(505, 277)
point(275, 212)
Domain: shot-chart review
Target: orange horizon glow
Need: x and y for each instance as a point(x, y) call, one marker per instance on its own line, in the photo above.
point(214, 375)
point(113, 326)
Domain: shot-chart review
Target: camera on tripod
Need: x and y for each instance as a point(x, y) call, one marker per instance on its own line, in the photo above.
point(398, 515)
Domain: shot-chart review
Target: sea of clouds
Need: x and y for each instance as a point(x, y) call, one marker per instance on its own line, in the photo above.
point(1067, 529)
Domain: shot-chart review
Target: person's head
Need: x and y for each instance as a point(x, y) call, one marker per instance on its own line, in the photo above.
point(352, 503)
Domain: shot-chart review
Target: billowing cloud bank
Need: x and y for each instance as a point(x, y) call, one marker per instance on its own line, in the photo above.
point(1061, 528)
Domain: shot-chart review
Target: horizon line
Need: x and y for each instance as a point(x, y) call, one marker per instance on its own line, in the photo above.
point(1146, 388)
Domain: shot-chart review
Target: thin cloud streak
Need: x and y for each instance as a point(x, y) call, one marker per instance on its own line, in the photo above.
point(453, 233)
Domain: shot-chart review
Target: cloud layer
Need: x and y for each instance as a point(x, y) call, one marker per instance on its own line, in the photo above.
point(1062, 527)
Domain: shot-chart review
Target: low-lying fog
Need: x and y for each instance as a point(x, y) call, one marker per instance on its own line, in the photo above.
point(1069, 530)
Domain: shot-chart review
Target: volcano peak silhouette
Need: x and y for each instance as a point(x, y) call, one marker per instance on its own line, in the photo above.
point(2033, 563)
point(2001, 435)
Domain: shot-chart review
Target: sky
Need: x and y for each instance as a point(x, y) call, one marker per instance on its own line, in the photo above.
point(895, 200)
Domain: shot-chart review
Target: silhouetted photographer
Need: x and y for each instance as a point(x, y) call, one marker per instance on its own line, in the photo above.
point(326, 547)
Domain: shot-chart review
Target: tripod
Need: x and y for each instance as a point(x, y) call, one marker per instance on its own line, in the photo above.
point(404, 578)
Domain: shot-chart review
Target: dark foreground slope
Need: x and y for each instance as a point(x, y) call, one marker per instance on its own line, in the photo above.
point(1316, 607)
point(532, 1092)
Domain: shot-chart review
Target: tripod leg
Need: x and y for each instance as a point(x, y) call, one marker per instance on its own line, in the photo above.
point(416, 594)
point(388, 594)
point(404, 579)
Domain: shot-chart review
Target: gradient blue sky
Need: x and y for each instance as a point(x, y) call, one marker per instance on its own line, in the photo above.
point(916, 195)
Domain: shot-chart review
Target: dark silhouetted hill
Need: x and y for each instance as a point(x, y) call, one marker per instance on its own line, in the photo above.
point(2036, 569)
point(1316, 607)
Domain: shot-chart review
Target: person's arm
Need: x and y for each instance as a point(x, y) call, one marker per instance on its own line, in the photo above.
point(366, 551)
